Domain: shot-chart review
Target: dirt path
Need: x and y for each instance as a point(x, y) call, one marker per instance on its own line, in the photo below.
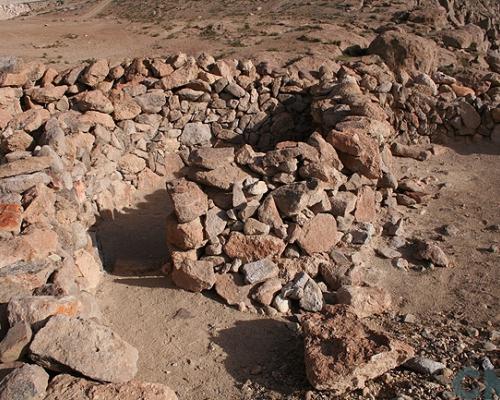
point(97, 9)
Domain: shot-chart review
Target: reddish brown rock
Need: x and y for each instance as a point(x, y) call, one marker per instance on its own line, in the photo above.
point(18, 141)
point(184, 236)
point(265, 292)
point(337, 275)
point(222, 177)
point(13, 79)
point(188, 200)
point(10, 218)
point(36, 244)
point(319, 234)
point(67, 387)
point(94, 100)
point(358, 152)
point(95, 73)
point(232, 289)
point(211, 158)
point(47, 94)
point(365, 300)
point(24, 166)
point(194, 276)
point(30, 120)
point(366, 210)
point(253, 248)
point(342, 353)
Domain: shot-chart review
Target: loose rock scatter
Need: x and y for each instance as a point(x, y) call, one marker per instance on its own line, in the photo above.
point(278, 183)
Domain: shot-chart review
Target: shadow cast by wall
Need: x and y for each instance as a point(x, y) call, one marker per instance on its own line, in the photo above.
point(131, 241)
point(266, 352)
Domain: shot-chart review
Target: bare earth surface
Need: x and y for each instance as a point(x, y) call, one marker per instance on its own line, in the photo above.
point(206, 350)
point(192, 342)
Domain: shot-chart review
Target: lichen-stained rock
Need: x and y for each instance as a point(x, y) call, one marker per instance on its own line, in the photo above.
point(194, 275)
point(188, 200)
point(67, 387)
point(222, 177)
point(364, 300)
point(253, 248)
point(28, 382)
point(319, 234)
point(35, 310)
point(86, 347)
point(342, 353)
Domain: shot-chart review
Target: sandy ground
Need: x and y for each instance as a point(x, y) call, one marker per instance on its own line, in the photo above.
point(207, 350)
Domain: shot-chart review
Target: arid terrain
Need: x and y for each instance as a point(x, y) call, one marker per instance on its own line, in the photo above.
point(191, 340)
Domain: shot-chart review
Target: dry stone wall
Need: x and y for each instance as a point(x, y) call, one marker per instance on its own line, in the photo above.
point(269, 171)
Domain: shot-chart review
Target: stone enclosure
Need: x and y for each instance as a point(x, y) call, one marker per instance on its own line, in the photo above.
point(276, 177)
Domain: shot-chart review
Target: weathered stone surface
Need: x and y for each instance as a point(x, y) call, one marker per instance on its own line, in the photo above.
point(196, 133)
point(211, 158)
point(131, 164)
point(94, 100)
point(180, 77)
point(259, 271)
point(33, 245)
point(67, 387)
point(90, 271)
point(342, 353)
point(266, 291)
point(293, 198)
point(343, 203)
point(47, 94)
point(319, 234)
point(26, 275)
point(188, 200)
point(429, 251)
point(364, 300)
point(312, 297)
point(24, 166)
point(124, 106)
point(358, 152)
point(18, 141)
point(232, 288)
point(337, 275)
point(14, 344)
point(95, 73)
point(185, 236)
point(151, 102)
point(86, 347)
point(28, 382)
point(10, 218)
point(268, 213)
point(194, 276)
point(222, 177)
point(253, 248)
point(215, 222)
point(405, 51)
point(366, 210)
point(35, 310)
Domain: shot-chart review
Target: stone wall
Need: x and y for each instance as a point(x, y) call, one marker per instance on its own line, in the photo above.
point(269, 170)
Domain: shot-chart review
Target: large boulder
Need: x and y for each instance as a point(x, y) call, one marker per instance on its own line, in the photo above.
point(342, 353)
point(85, 347)
point(405, 51)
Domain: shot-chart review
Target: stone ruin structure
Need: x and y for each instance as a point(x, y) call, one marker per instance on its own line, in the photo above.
point(276, 178)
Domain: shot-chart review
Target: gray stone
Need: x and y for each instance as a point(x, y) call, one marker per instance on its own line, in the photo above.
point(195, 133)
point(259, 271)
point(28, 382)
point(312, 297)
point(424, 366)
